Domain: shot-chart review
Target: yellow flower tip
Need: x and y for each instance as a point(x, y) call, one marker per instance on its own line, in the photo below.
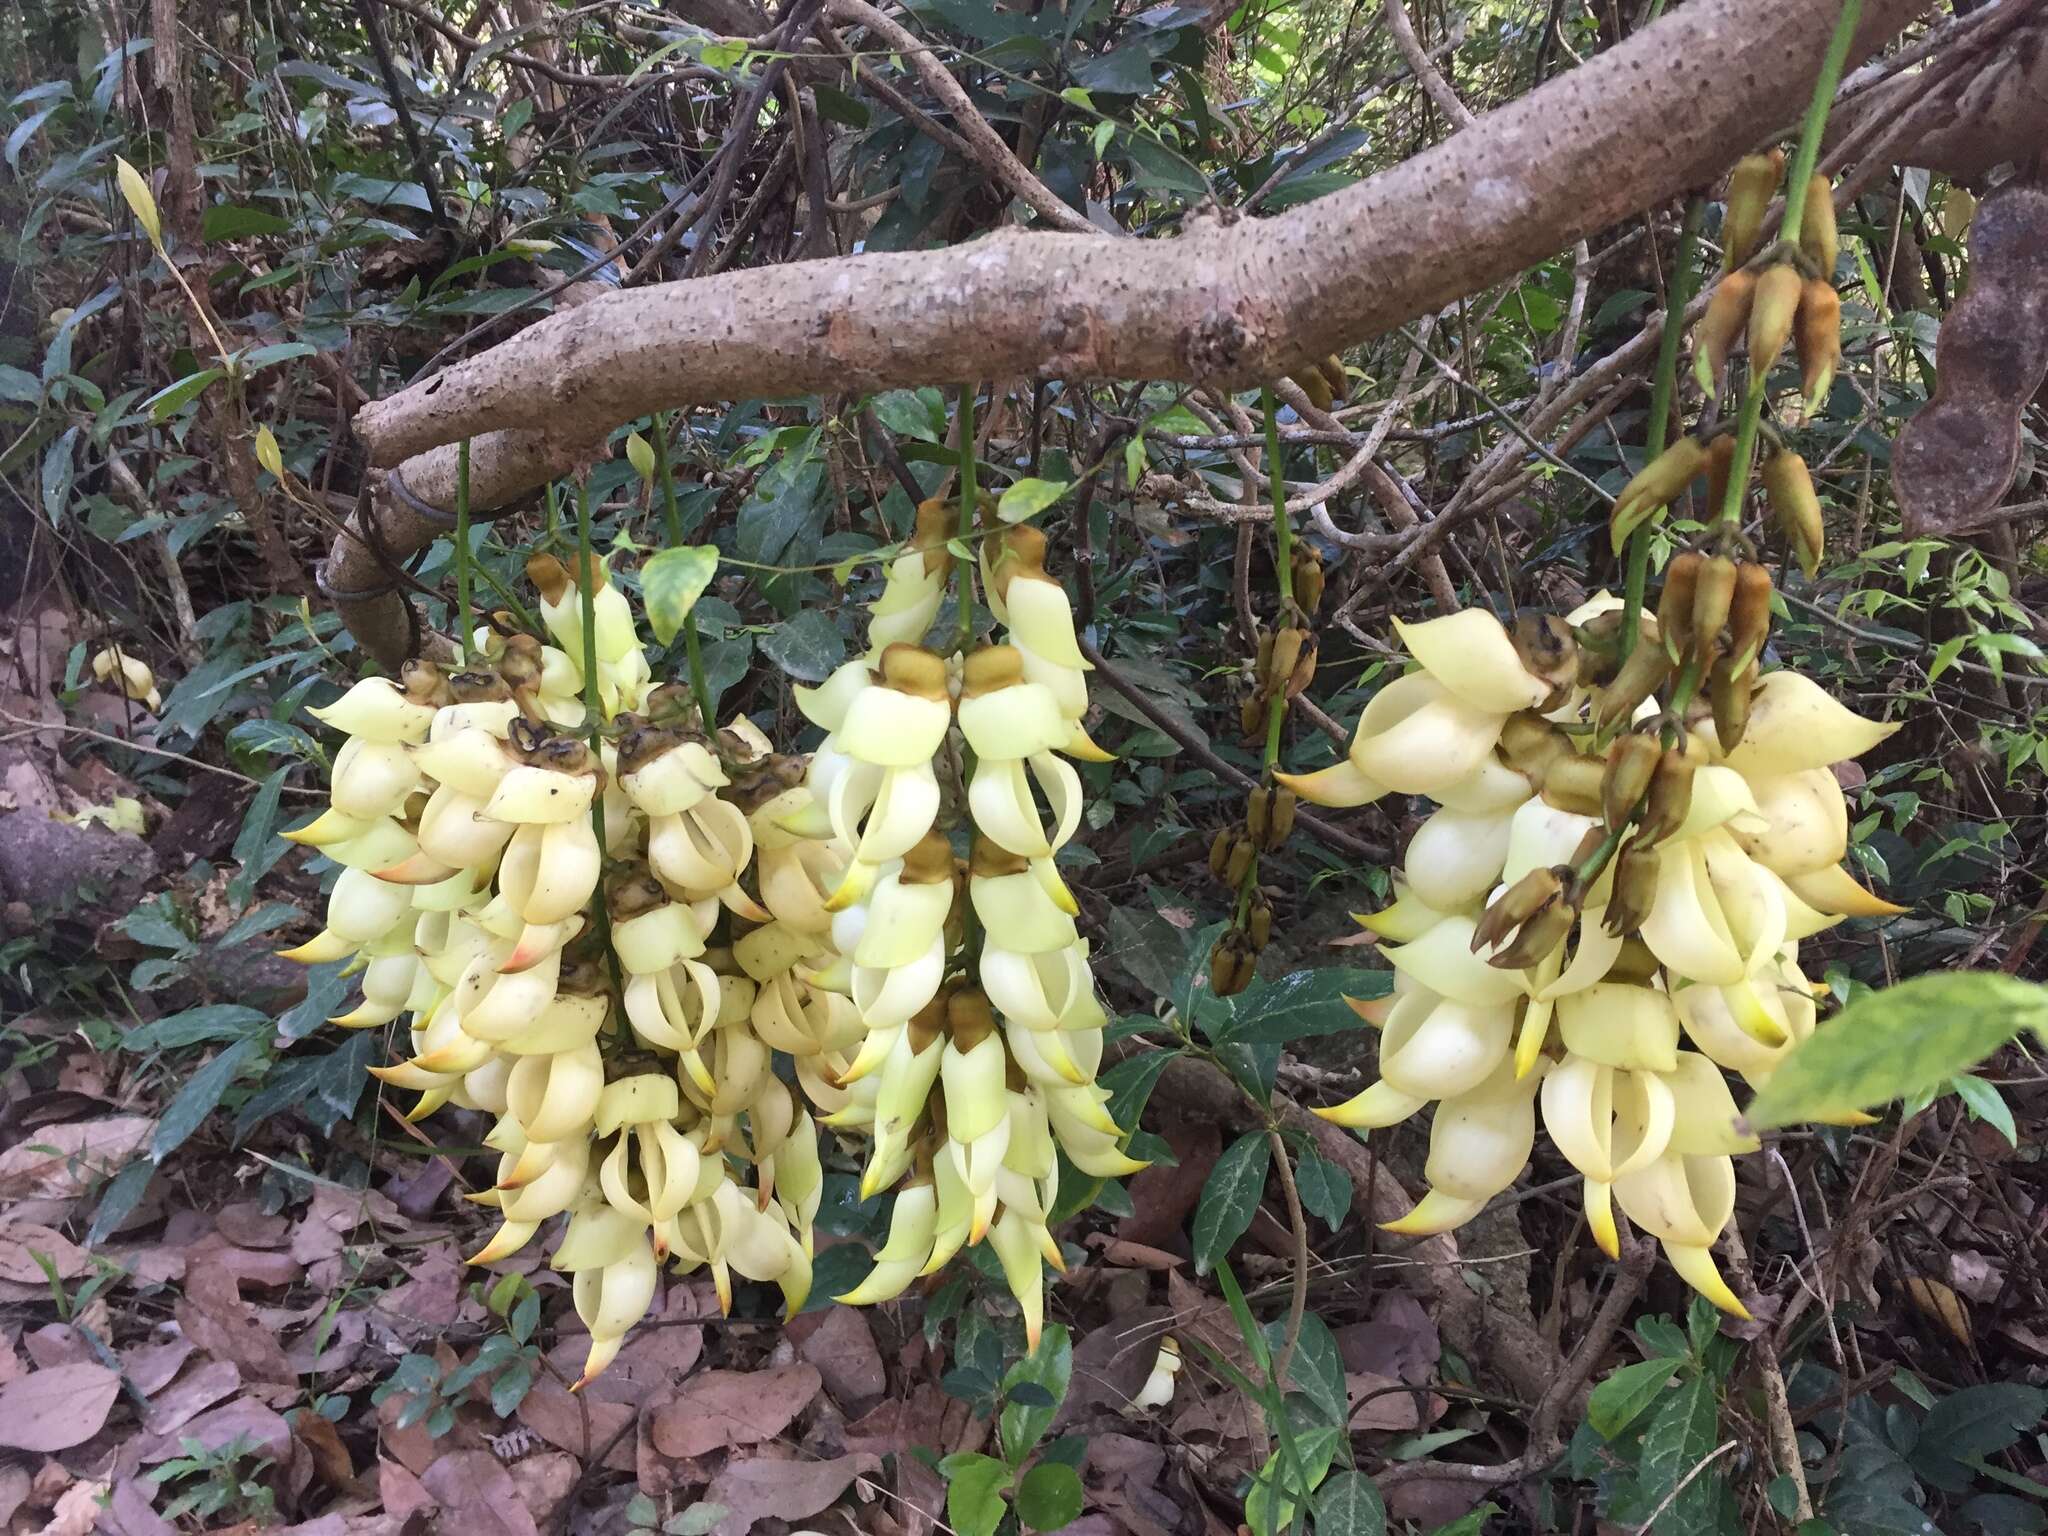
point(1082, 748)
point(363, 1017)
point(1850, 1118)
point(1053, 1256)
point(1695, 1266)
point(420, 869)
point(722, 1282)
point(699, 1073)
point(1373, 1010)
point(318, 950)
point(429, 1102)
point(1341, 786)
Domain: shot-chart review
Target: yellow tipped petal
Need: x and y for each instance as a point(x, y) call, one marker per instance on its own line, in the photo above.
point(321, 948)
point(1341, 786)
point(1435, 1212)
point(1380, 1105)
point(510, 1237)
point(1081, 747)
point(328, 828)
point(1470, 654)
point(1599, 1200)
point(1834, 889)
point(1695, 1266)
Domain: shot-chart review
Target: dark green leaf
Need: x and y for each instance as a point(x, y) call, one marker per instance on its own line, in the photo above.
point(1029, 497)
point(1620, 1399)
point(807, 647)
point(259, 358)
point(671, 583)
point(226, 221)
point(122, 1194)
point(1349, 1504)
point(1471, 1523)
point(1048, 1368)
point(18, 386)
point(509, 1388)
point(974, 1492)
point(1977, 1421)
point(1049, 1497)
point(1681, 1436)
point(1149, 948)
point(196, 1026)
point(200, 1096)
point(1130, 1084)
point(1986, 1103)
point(1898, 1041)
point(323, 1088)
point(1324, 1187)
point(1231, 1197)
point(1317, 1370)
point(1301, 1004)
point(166, 401)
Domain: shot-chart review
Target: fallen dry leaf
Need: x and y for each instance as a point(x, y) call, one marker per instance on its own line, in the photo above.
point(129, 1513)
point(13, 1493)
point(56, 1344)
point(264, 1428)
point(1399, 1340)
point(332, 1463)
point(544, 1480)
point(215, 1317)
point(77, 1511)
point(1385, 1402)
point(477, 1496)
point(721, 1408)
point(22, 1243)
point(401, 1491)
point(190, 1395)
point(57, 1162)
point(56, 1409)
point(842, 1348)
point(151, 1367)
point(1112, 1362)
point(551, 1411)
point(760, 1488)
point(246, 1224)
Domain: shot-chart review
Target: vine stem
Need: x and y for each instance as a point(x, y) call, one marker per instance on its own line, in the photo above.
point(593, 714)
point(672, 525)
point(465, 622)
point(1803, 161)
point(963, 631)
point(1662, 386)
point(672, 517)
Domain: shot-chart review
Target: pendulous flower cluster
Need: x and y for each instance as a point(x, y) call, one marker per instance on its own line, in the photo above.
point(662, 957)
point(1604, 914)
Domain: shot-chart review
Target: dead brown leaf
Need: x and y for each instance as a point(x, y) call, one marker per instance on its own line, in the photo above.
point(760, 1488)
point(56, 1409)
point(842, 1347)
point(246, 1224)
point(401, 1491)
point(1111, 1362)
point(77, 1512)
point(477, 1496)
point(1399, 1340)
point(721, 1408)
point(1384, 1402)
point(551, 1411)
point(23, 1243)
point(332, 1463)
point(264, 1428)
point(191, 1394)
point(1208, 1319)
point(152, 1367)
point(128, 1512)
point(57, 1162)
point(544, 1480)
point(215, 1317)
point(56, 1344)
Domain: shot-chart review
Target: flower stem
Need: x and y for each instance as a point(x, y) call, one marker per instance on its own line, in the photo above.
point(1677, 295)
point(1283, 531)
point(672, 517)
point(465, 623)
point(963, 633)
point(700, 686)
point(1803, 161)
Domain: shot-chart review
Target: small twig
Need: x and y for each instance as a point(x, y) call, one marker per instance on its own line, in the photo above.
point(1686, 1482)
point(1419, 63)
point(422, 163)
point(1297, 1300)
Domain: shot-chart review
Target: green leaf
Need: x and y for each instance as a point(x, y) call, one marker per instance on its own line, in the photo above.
point(227, 221)
point(1619, 1400)
point(1130, 1083)
point(1300, 1004)
point(1317, 1370)
point(200, 1096)
point(1325, 1189)
point(1977, 1421)
point(1470, 1523)
point(166, 401)
point(1986, 1103)
point(18, 386)
point(697, 1520)
point(671, 583)
point(807, 647)
point(258, 358)
point(122, 1194)
point(974, 1492)
point(906, 414)
point(509, 1388)
point(1049, 1497)
point(1029, 497)
point(1049, 1367)
point(1349, 1504)
point(1898, 1041)
point(1680, 1437)
point(196, 1026)
point(1269, 1507)
point(1230, 1198)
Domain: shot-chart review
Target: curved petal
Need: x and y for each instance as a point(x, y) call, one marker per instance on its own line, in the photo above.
point(1471, 654)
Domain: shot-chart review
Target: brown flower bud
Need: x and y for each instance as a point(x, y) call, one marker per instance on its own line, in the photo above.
point(1280, 819)
point(1795, 507)
point(1817, 237)
point(1730, 690)
point(1713, 596)
point(1304, 669)
point(1771, 315)
point(1720, 464)
point(1219, 851)
point(1534, 893)
point(1674, 605)
point(1251, 714)
point(1573, 783)
point(1231, 964)
point(1308, 577)
point(1749, 616)
point(1546, 647)
point(1529, 744)
point(1259, 924)
point(1669, 799)
point(1657, 484)
point(1817, 333)
point(1257, 813)
point(1640, 676)
point(1239, 863)
point(1634, 889)
point(1751, 186)
point(1630, 763)
point(1726, 318)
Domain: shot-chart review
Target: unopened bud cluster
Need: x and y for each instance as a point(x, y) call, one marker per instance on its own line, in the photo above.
point(1605, 913)
point(605, 933)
